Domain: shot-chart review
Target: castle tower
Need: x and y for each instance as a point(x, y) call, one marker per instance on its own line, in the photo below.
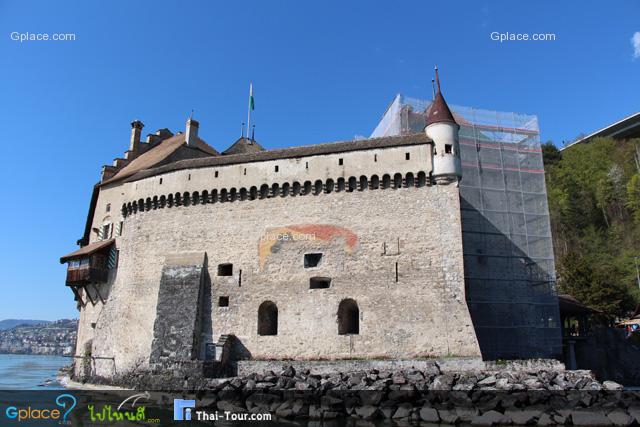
point(443, 130)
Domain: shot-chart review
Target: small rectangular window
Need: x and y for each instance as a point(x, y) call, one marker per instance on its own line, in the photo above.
point(306, 166)
point(340, 162)
point(245, 171)
point(225, 269)
point(319, 282)
point(216, 174)
point(312, 260)
point(276, 168)
point(375, 157)
point(223, 302)
point(447, 148)
point(407, 156)
point(108, 207)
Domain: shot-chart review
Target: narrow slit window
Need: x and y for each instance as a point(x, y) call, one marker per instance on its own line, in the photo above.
point(189, 177)
point(225, 269)
point(160, 181)
point(319, 283)
point(312, 260)
point(407, 156)
point(215, 174)
point(340, 162)
point(277, 168)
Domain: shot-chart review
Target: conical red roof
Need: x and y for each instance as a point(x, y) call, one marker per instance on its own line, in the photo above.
point(439, 111)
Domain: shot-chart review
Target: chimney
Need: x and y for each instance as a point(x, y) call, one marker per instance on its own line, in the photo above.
point(136, 130)
point(192, 132)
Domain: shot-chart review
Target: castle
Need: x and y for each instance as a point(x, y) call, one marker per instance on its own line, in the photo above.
point(333, 251)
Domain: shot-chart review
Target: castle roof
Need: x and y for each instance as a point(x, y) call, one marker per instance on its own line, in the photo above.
point(285, 153)
point(87, 250)
point(242, 146)
point(439, 111)
point(162, 153)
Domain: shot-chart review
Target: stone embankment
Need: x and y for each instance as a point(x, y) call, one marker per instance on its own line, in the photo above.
point(502, 396)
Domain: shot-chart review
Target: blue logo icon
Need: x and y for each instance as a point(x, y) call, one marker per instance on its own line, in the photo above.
point(182, 409)
point(72, 404)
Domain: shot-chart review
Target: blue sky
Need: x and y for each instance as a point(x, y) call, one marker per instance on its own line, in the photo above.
point(322, 71)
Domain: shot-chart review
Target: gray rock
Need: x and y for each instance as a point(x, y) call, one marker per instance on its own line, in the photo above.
point(466, 414)
point(330, 403)
point(523, 417)
point(289, 371)
point(611, 385)
point(589, 418)
point(448, 416)
point(490, 380)
point(403, 411)
point(367, 412)
point(620, 418)
point(315, 413)
point(489, 418)
point(429, 415)
point(545, 420)
point(635, 413)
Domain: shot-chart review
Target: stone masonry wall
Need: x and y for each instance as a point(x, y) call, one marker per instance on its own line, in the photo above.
point(362, 235)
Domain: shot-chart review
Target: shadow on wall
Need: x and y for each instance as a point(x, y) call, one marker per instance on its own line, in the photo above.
point(511, 295)
point(610, 355)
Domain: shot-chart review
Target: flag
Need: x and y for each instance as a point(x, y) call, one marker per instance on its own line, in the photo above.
point(252, 104)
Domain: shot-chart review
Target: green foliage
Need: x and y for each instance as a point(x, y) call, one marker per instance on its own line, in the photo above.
point(594, 203)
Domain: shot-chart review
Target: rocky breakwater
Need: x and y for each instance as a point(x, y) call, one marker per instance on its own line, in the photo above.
point(499, 397)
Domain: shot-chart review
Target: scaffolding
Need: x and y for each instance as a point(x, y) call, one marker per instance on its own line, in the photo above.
point(508, 251)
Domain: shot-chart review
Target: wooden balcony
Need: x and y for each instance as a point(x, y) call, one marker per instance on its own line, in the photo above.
point(85, 275)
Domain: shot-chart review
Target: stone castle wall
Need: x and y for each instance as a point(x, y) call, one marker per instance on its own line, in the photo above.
point(362, 235)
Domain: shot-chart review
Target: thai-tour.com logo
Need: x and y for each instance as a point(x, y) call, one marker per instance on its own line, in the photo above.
point(182, 409)
point(185, 410)
point(64, 404)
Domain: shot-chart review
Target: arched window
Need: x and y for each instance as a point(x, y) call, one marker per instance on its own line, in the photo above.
point(275, 189)
point(264, 191)
point(296, 188)
point(397, 181)
point(214, 196)
point(129, 208)
point(195, 197)
point(328, 186)
point(364, 183)
point(123, 210)
point(243, 194)
point(163, 201)
point(186, 199)
point(307, 187)
point(348, 317)
point(422, 179)
point(134, 207)
point(233, 194)
point(268, 319)
point(141, 205)
point(340, 184)
point(375, 182)
point(286, 189)
point(147, 206)
point(386, 181)
point(317, 188)
point(409, 181)
point(253, 193)
point(170, 200)
point(205, 197)
point(353, 183)
point(177, 200)
point(154, 202)
point(223, 195)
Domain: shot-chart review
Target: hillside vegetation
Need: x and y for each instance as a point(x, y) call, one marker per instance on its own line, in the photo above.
point(594, 203)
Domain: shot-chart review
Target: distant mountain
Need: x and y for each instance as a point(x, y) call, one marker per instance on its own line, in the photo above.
point(43, 337)
point(11, 323)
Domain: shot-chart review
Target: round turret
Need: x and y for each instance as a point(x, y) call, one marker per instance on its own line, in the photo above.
point(443, 130)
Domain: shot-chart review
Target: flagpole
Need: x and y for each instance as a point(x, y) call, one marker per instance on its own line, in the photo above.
point(249, 109)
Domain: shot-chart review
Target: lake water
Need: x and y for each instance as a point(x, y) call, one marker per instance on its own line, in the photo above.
point(29, 372)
